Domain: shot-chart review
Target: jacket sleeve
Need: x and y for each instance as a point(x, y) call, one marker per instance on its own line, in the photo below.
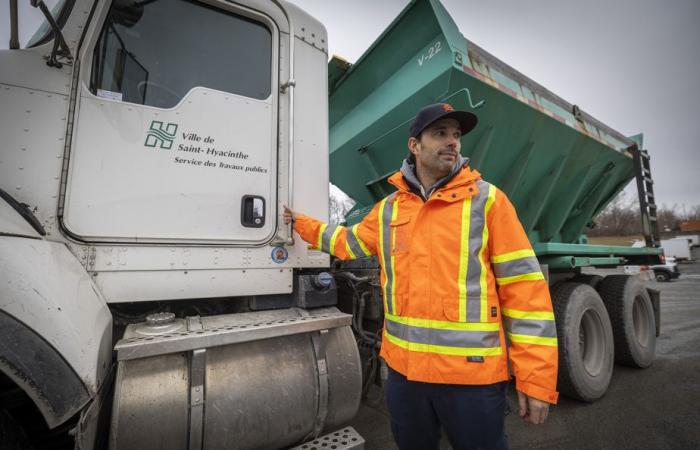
point(342, 242)
point(526, 305)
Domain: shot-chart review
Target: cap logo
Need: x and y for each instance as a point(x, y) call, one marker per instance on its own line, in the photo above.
point(447, 107)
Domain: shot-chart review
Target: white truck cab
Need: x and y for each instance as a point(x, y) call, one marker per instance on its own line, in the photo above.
point(147, 150)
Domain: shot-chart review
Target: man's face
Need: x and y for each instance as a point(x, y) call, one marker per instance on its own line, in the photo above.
point(437, 148)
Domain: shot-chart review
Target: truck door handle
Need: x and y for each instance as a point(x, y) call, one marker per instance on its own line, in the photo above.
point(252, 211)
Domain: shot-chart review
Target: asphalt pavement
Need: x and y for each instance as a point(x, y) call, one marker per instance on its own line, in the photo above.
point(655, 408)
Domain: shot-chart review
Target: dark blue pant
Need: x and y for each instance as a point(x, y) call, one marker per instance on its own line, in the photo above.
point(473, 416)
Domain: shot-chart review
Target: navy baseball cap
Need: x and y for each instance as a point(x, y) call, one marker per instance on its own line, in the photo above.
point(431, 113)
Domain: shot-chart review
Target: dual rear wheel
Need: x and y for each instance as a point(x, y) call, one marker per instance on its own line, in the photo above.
point(597, 327)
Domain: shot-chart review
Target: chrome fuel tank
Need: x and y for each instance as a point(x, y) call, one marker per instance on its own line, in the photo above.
point(262, 380)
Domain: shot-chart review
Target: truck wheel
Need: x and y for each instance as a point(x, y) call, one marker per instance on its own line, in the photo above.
point(589, 279)
point(12, 435)
point(662, 276)
point(585, 341)
point(632, 317)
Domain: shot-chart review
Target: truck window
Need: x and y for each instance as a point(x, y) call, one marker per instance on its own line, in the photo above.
point(152, 53)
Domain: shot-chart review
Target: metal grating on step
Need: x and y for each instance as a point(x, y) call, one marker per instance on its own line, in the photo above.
point(183, 341)
point(344, 439)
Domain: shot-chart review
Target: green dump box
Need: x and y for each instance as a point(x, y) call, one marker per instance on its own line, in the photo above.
point(558, 165)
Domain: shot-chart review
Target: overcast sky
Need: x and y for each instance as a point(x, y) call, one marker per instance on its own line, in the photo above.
point(629, 63)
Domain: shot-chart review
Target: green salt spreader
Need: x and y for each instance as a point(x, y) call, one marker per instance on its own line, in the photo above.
point(558, 165)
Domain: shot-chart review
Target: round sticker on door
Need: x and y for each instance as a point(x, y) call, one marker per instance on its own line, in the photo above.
point(279, 255)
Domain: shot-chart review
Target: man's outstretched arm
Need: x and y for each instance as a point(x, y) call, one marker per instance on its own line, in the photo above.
point(342, 242)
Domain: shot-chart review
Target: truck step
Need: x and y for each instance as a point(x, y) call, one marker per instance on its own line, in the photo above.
point(344, 439)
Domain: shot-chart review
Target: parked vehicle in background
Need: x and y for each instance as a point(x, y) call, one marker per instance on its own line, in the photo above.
point(667, 271)
point(678, 247)
point(694, 239)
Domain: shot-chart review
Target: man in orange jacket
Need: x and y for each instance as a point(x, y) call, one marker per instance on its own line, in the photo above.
point(458, 276)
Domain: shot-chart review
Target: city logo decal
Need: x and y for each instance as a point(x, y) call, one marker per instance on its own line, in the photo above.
point(161, 135)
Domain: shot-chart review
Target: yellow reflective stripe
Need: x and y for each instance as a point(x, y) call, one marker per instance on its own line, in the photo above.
point(380, 218)
point(442, 350)
point(319, 242)
point(528, 315)
point(526, 339)
point(394, 214)
point(336, 232)
point(514, 279)
point(510, 256)
point(349, 250)
point(484, 264)
point(359, 240)
point(464, 257)
point(443, 324)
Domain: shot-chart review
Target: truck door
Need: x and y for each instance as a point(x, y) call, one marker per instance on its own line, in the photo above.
point(175, 134)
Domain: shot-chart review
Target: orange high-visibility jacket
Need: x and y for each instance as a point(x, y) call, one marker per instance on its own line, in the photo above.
point(458, 274)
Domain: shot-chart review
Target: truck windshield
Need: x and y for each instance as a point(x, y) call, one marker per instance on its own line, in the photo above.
point(33, 29)
point(153, 52)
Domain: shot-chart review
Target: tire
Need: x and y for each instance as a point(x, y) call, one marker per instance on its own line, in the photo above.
point(662, 276)
point(12, 435)
point(589, 279)
point(586, 349)
point(632, 317)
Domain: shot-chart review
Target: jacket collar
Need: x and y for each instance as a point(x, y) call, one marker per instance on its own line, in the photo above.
point(406, 179)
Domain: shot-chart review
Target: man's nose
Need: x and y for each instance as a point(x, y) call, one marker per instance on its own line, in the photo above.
point(452, 141)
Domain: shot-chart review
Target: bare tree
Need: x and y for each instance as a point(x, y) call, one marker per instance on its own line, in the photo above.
point(688, 213)
point(694, 213)
point(620, 218)
point(668, 217)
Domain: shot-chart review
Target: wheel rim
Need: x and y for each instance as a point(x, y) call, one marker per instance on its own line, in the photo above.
point(592, 342)
point(640, 321)
point(660, 277)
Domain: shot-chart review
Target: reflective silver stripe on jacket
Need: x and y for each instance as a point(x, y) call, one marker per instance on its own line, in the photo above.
point(386, 212)
point(354, 243)
point(447, 338)
point(530, 327)
point(326, 239)
point(474, 267)
point(521, 266)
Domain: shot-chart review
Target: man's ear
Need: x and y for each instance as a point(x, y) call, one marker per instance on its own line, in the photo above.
point(413, 145)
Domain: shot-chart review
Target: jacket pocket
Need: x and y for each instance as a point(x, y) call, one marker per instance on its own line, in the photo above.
point(400, 235)
point(451, 311)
